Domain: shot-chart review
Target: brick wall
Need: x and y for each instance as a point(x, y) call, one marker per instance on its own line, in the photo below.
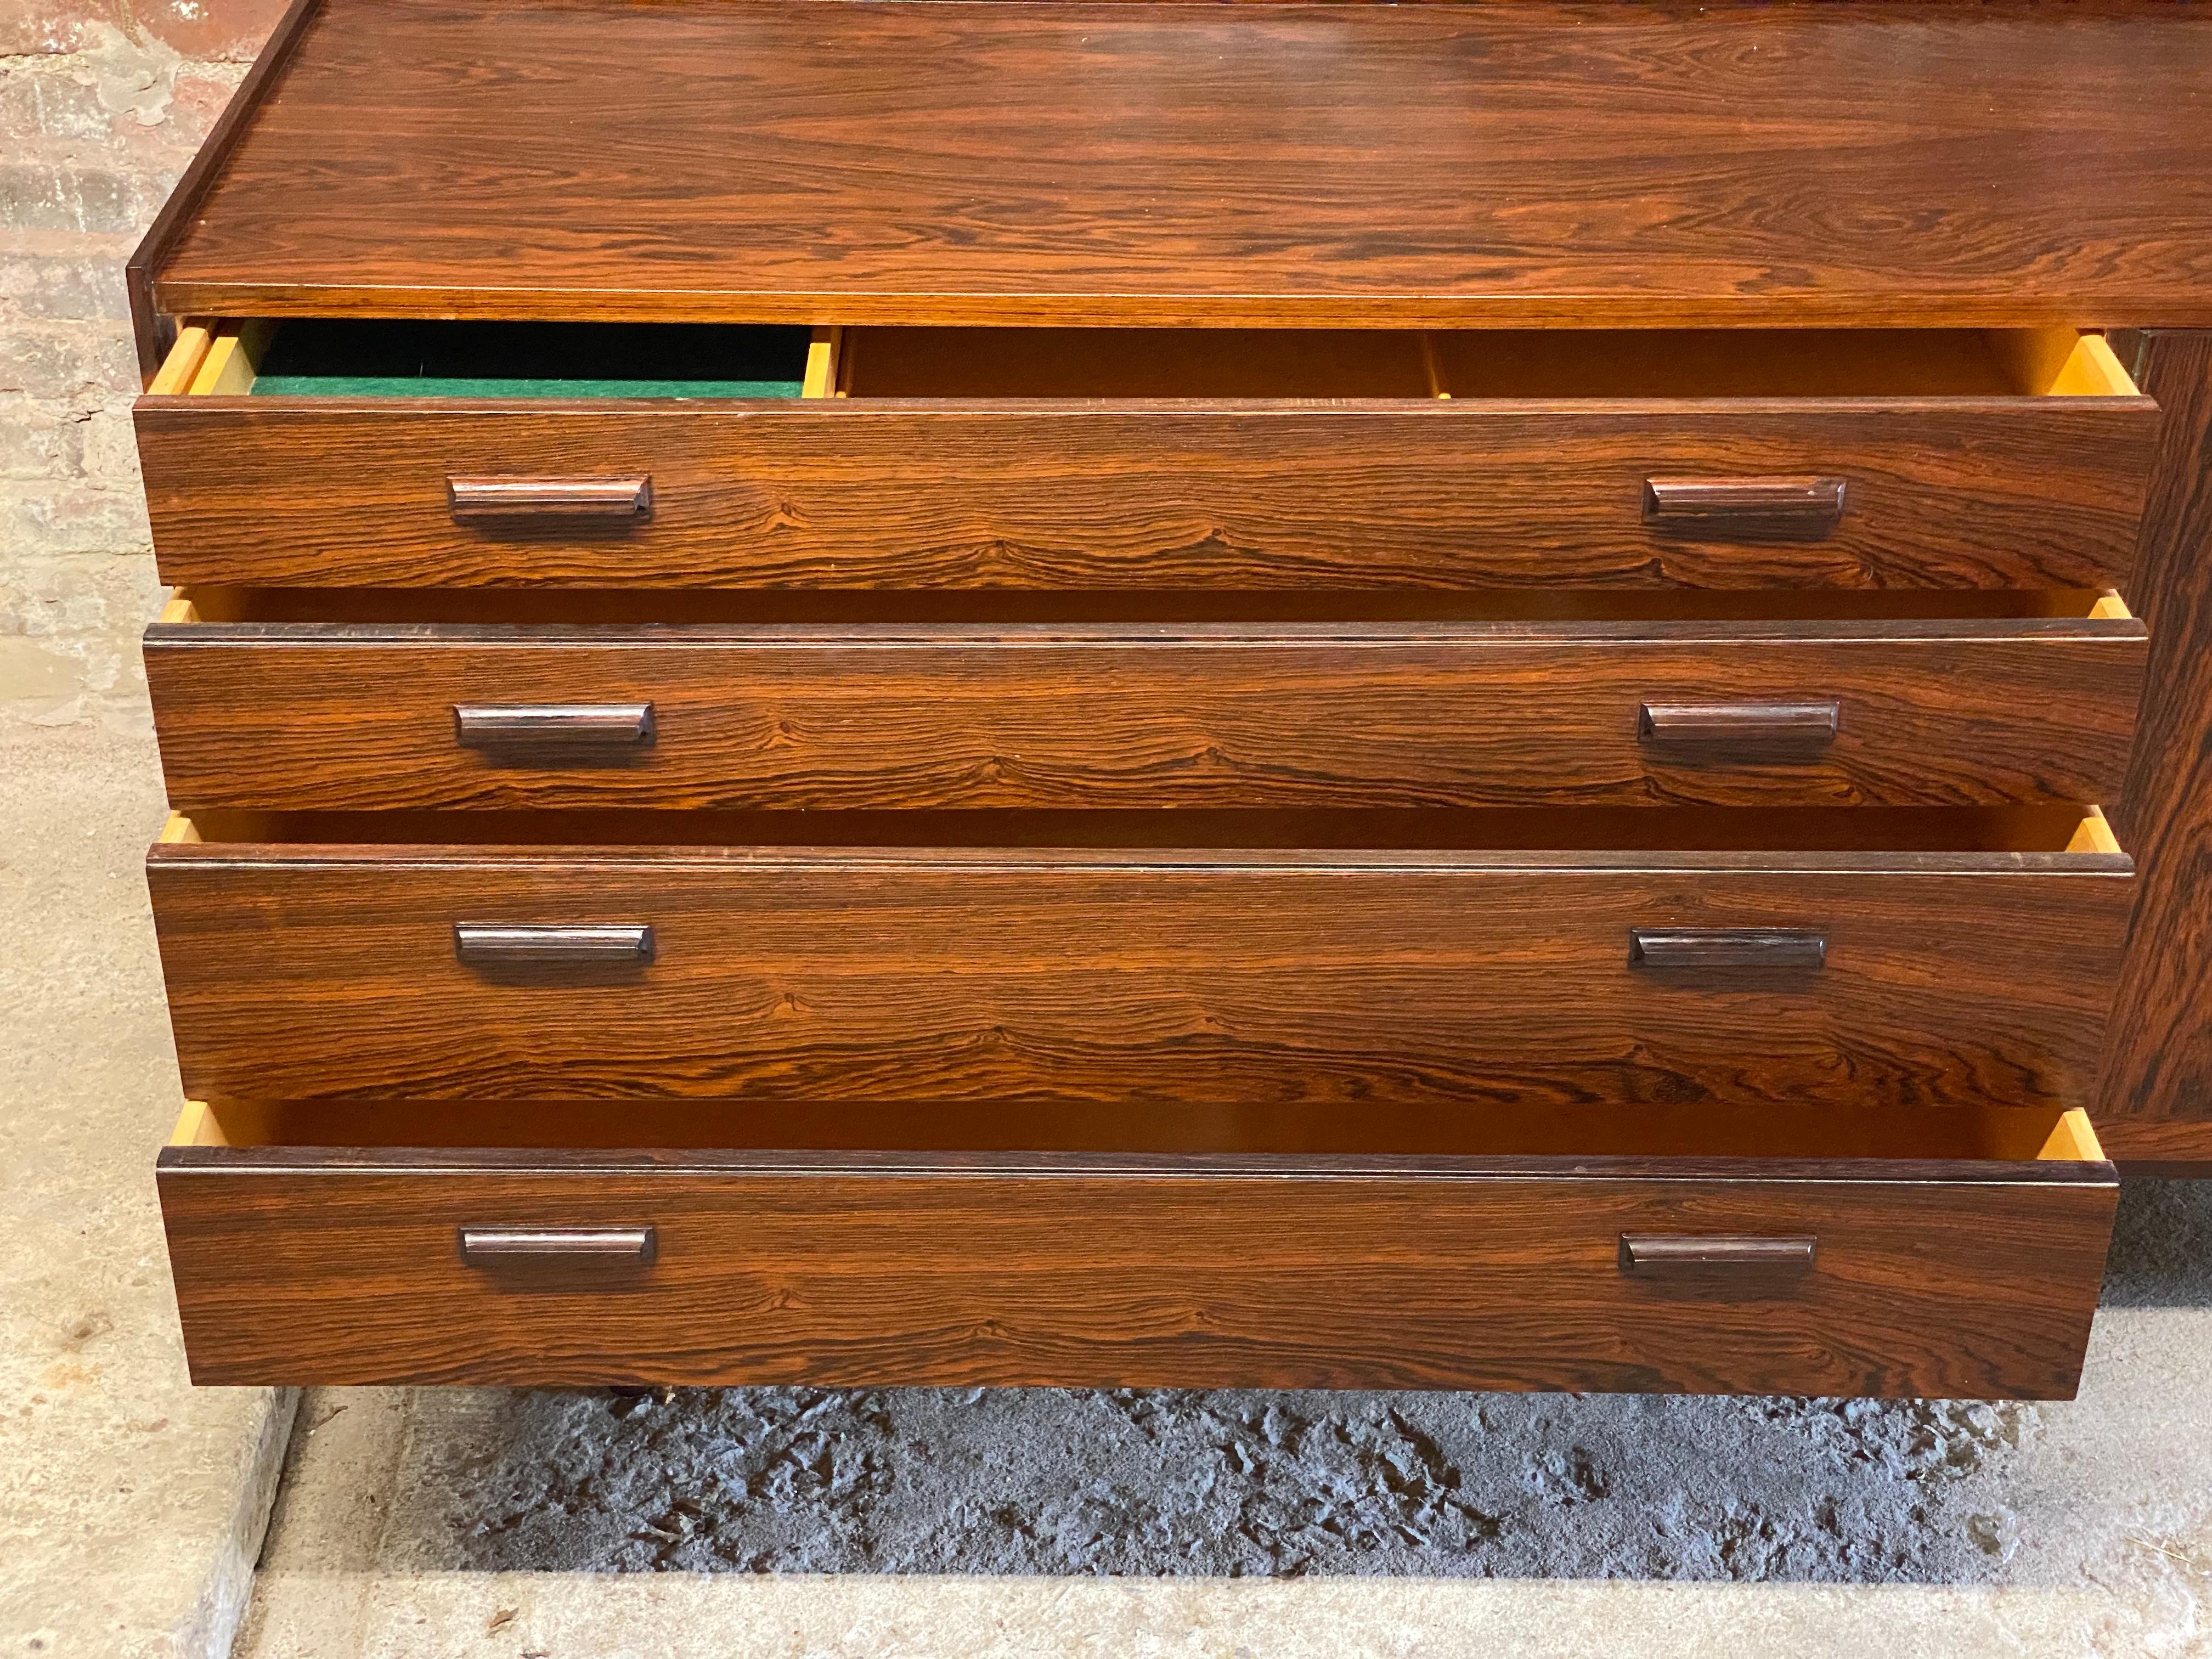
point(102, 104)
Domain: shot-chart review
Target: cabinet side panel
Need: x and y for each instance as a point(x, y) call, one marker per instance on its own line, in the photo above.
point(2157, 1089)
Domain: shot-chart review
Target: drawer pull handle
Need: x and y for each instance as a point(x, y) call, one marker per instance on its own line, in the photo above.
point(483, 945)
point(1796, 725)
point(1794, 508)
point(483, 1244)
point(627, 499)
point(1727, 947)
point(1674, 1253)
point(564, 726)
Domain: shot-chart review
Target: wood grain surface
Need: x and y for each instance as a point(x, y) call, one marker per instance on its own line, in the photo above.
point(296, 716)
point(1942, 492)
point(1533, 163)
point(2161, 1148)
point(2157, 1096)
point(304, 1266)
point(1499, 978)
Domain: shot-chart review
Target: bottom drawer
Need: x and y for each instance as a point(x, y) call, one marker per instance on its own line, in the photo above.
point(1955, 1253)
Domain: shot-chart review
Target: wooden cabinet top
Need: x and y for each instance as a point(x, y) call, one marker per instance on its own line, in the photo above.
point(1033, 161)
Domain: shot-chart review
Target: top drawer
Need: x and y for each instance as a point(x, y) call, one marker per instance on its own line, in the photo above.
point(586, 455)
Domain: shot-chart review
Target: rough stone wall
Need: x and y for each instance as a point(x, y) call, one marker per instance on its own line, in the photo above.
point(102, 102)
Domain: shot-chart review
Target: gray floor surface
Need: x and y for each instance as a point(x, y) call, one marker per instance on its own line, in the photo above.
point(131, 1504)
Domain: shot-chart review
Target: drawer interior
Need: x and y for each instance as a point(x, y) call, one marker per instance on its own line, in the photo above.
point(1075, 363)
point(322, 357)
point(1343, 836)
point(2011, 1134)
point(1780, 363)
point(533, 607)
point(1525, 364)
point(356, 358)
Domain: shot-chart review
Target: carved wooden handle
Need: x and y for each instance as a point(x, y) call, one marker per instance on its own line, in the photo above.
point(550, 724)
point(483, 945)
point(1726, 947)
point(1672, 1253)
point(468, 499)
point(1763, 726)
point(483, 1244)
point(1796, 508)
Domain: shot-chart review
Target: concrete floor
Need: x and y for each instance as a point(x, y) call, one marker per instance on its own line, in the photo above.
point(131, 1504)
point(425, 1522)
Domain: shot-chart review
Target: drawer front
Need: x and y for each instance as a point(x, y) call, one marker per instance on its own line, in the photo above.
point(294, 1266)
point(1967, 492)
point(1819, 979)
point(305, 716)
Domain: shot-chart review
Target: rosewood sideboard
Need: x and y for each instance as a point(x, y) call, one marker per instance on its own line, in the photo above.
point(1474, 696)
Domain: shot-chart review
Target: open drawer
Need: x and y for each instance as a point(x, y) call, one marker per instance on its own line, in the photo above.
point(1795, 959)
point(1589, 1247)
point(483, 700)
point(1102, 459)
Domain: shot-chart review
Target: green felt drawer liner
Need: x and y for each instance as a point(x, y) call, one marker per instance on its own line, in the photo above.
point(440, 386)
point(378, 359)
